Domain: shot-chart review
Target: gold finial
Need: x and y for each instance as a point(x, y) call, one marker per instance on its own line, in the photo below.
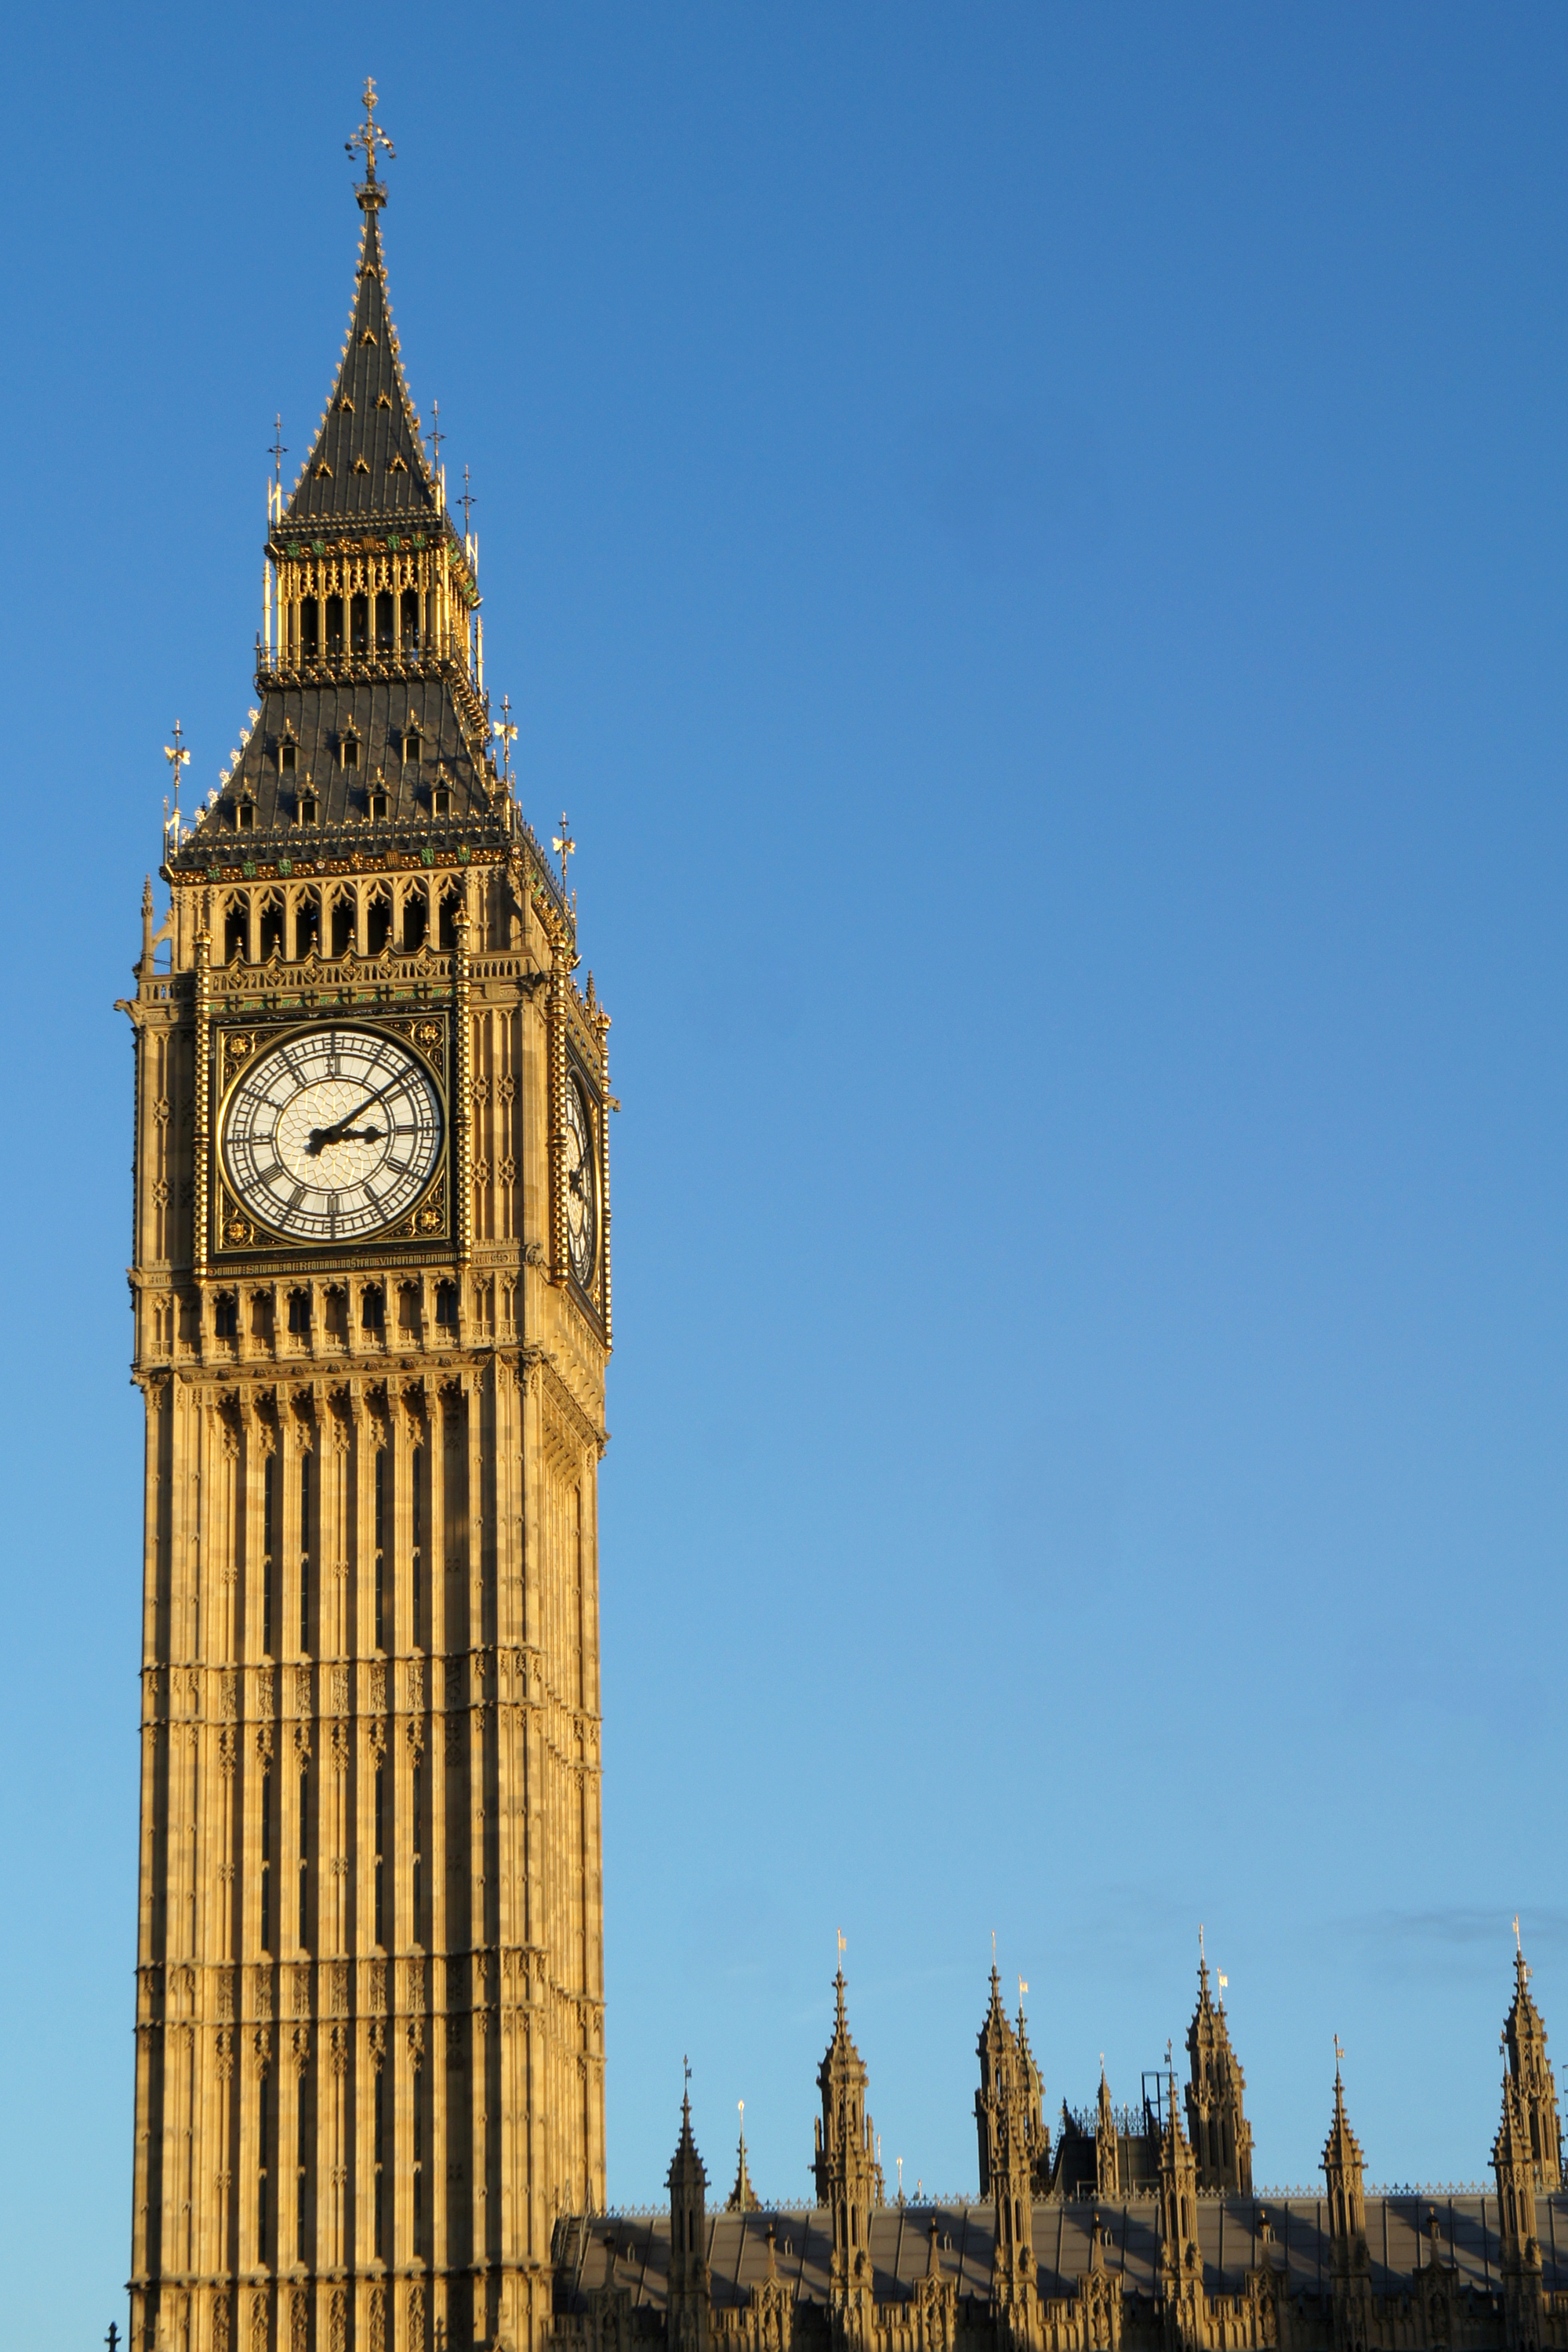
point(842, 1946)
point(1339, 2056)
point(506, 728)
point(1023, 1989)
point(566, 847)
point(369, 135)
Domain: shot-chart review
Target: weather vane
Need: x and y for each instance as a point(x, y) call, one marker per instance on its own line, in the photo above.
point(565, 847)
point(1023, 1989)
point(506, 728)
point(841, 1949)
point(1339, 2056)
point(369, 135)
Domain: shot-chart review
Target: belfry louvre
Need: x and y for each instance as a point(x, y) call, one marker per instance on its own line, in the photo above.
point(371, 1284)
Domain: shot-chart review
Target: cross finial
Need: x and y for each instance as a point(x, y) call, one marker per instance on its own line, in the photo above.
point(112, 2338)
point(565, 847)
point(370, 135)
point(467, 501)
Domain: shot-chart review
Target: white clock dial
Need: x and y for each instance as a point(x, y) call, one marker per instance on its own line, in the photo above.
point(332, 1135)
point(582, 1187)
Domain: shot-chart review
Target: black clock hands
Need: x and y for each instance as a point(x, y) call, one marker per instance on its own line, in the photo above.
point(345, 1131)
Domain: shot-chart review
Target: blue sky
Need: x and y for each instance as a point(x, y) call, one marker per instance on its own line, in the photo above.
point(1030, 545)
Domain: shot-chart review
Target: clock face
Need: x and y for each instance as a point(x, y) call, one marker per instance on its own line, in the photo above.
point(332, 1135)
point(582, 1187)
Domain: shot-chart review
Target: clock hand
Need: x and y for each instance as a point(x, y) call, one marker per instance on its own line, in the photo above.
point(321, 1135)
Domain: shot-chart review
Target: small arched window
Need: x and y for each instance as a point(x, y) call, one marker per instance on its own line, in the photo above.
point(236, 933)
point(271, 930)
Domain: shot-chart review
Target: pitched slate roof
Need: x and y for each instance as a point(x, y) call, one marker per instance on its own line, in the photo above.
point(368, 457)
point(386, 718)
point(1235, 2233)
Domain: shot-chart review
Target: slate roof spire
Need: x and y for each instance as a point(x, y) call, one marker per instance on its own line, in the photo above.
point(367, 458)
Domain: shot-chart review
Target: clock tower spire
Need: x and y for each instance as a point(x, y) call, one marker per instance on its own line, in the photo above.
point(371, 1289)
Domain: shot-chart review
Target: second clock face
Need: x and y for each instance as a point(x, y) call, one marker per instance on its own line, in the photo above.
point(332, 1135)
point(581, 1192)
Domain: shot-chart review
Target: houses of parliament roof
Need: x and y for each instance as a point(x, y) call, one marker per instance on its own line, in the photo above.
point(1135, 2226)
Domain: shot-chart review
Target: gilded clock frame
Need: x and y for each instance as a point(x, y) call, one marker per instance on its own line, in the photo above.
point(238, 1239)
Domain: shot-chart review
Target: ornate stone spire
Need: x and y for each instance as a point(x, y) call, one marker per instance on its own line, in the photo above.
point(1221, 2135)
point(1010, 2087)
point(1007, 2106)
point(689, 2308)
point(742, 2197)
point(849, 2176)
point(1343, 2171)
point(1107, 2143)
point(1524, 2038)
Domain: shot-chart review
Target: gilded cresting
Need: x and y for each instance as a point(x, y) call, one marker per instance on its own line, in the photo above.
point(370, 2065)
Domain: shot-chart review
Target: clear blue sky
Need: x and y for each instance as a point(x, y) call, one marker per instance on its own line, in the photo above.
point(1030, 543)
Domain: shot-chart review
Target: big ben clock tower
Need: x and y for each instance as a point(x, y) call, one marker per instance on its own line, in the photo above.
point(372, 1300)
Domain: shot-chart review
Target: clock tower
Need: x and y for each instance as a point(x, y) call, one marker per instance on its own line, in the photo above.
point(372, 1298)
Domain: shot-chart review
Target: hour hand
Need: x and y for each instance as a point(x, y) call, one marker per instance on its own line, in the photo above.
point(321, 1135)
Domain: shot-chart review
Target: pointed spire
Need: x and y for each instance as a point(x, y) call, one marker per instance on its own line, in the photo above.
point(742, 2197)
point(686, 2167)
point(1221, 2135)
point(1524, 2040)
point(1341, 2149)
point(367, 458)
